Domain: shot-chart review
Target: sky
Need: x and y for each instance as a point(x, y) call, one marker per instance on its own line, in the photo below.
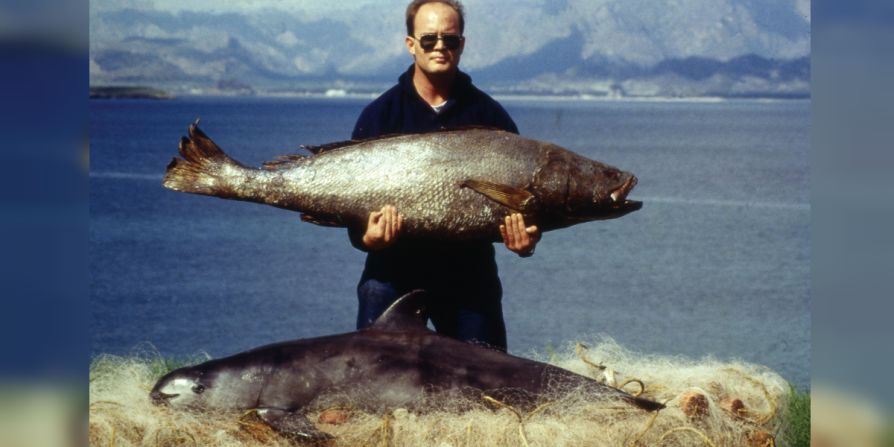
point(363, 36)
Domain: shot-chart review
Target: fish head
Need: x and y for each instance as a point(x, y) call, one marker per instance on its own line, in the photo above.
point(596, 191)
point(572, 189)
point(184, 387)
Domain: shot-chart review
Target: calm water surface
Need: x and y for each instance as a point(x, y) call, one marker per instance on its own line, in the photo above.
point(716, 263)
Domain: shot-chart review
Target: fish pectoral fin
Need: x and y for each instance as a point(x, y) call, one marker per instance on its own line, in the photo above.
point(322, 221)
point(515, 198)
point(292, 425)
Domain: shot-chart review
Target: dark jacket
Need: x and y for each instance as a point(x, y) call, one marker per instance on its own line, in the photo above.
point(402, 110)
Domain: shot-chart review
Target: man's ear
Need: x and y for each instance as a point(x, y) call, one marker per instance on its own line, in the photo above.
point(411, 45)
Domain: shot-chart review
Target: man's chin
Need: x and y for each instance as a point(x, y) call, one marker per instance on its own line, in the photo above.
point(439, 68)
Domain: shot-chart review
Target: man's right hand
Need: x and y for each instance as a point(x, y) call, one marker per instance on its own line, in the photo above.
point(382, 228)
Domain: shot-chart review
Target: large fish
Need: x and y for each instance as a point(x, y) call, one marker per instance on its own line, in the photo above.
point(449, 185)
point(395, 363)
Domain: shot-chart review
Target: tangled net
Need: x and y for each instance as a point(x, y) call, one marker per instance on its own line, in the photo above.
point(709, 402)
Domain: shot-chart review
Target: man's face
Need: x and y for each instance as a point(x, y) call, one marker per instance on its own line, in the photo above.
point(435, 19)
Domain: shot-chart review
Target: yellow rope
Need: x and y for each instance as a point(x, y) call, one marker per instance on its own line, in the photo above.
point(518, 415)
point(644, 430)
point(539, 408)
point(642, 386)
point(579, 350)
point(500, 404)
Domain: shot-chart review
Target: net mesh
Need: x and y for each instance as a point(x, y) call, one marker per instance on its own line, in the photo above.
point(709, 402)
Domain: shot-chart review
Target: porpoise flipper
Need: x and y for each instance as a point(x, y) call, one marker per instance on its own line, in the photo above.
point(293, 425)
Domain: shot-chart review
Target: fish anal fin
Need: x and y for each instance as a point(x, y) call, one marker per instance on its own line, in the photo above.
point(292, 425)
point(322, 221)
point(515, 198)
point(406, 313)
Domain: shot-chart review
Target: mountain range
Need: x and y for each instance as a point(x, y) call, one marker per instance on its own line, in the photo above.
point(607, 47)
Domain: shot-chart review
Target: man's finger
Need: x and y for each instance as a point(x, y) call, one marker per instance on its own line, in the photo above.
point(388, 224)
point(510, 232)
point(393, 223)
point(534, 233)
point(520, 236)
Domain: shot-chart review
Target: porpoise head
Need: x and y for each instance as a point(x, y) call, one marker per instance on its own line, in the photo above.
point(184, 387)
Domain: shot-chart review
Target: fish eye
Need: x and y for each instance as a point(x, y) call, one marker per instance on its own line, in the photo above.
point(198, 389)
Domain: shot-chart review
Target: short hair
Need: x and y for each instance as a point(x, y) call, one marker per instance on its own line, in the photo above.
point(414, 6)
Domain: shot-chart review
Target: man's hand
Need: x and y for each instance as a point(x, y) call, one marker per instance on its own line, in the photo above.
point(382, 228)
point(519, 238)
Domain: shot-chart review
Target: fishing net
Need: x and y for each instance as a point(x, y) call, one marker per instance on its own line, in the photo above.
point(709, 402)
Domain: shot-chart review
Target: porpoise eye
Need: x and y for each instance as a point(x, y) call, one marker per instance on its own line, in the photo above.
point(198, 389)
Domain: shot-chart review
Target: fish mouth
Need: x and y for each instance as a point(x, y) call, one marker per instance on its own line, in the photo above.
point(628, 206)
point(619, 195)
point(159, 398)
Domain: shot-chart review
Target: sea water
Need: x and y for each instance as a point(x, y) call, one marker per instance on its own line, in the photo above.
point(716, 263)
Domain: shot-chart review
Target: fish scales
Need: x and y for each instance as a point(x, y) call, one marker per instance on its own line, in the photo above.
point(451, 185)
point(422, 178)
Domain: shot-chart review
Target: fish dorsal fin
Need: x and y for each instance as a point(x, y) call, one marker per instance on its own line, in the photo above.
point(405, 314)
point(471, 127)
point(515, 198)
point(284, 162)
point(319, 149)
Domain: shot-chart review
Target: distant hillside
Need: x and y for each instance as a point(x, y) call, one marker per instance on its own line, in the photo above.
point(630, 47)
point(116, 92)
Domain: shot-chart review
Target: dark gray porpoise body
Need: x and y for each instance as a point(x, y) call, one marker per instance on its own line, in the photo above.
point(395, 363)
point(447, 185)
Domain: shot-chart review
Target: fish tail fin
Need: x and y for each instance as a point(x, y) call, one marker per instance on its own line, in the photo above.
point(200, 169)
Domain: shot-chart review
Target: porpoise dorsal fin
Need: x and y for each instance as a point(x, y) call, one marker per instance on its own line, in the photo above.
point(405, 314)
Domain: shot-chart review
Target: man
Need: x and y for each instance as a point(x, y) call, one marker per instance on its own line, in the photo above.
point(433, 95)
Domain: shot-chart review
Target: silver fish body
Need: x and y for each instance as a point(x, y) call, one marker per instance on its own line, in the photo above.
point(449, 185)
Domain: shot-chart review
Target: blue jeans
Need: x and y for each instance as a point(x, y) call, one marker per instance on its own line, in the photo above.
point(465, 309)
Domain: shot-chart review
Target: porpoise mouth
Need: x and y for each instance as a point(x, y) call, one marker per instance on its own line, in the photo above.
point(619, 195)
point(159, 398)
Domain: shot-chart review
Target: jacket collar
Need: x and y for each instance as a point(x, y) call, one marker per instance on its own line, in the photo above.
point(462, 84)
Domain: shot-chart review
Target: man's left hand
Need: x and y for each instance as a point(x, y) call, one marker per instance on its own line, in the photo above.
point(519, 238)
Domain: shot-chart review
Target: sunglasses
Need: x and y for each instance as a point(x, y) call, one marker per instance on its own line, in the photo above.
point(429, 41)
